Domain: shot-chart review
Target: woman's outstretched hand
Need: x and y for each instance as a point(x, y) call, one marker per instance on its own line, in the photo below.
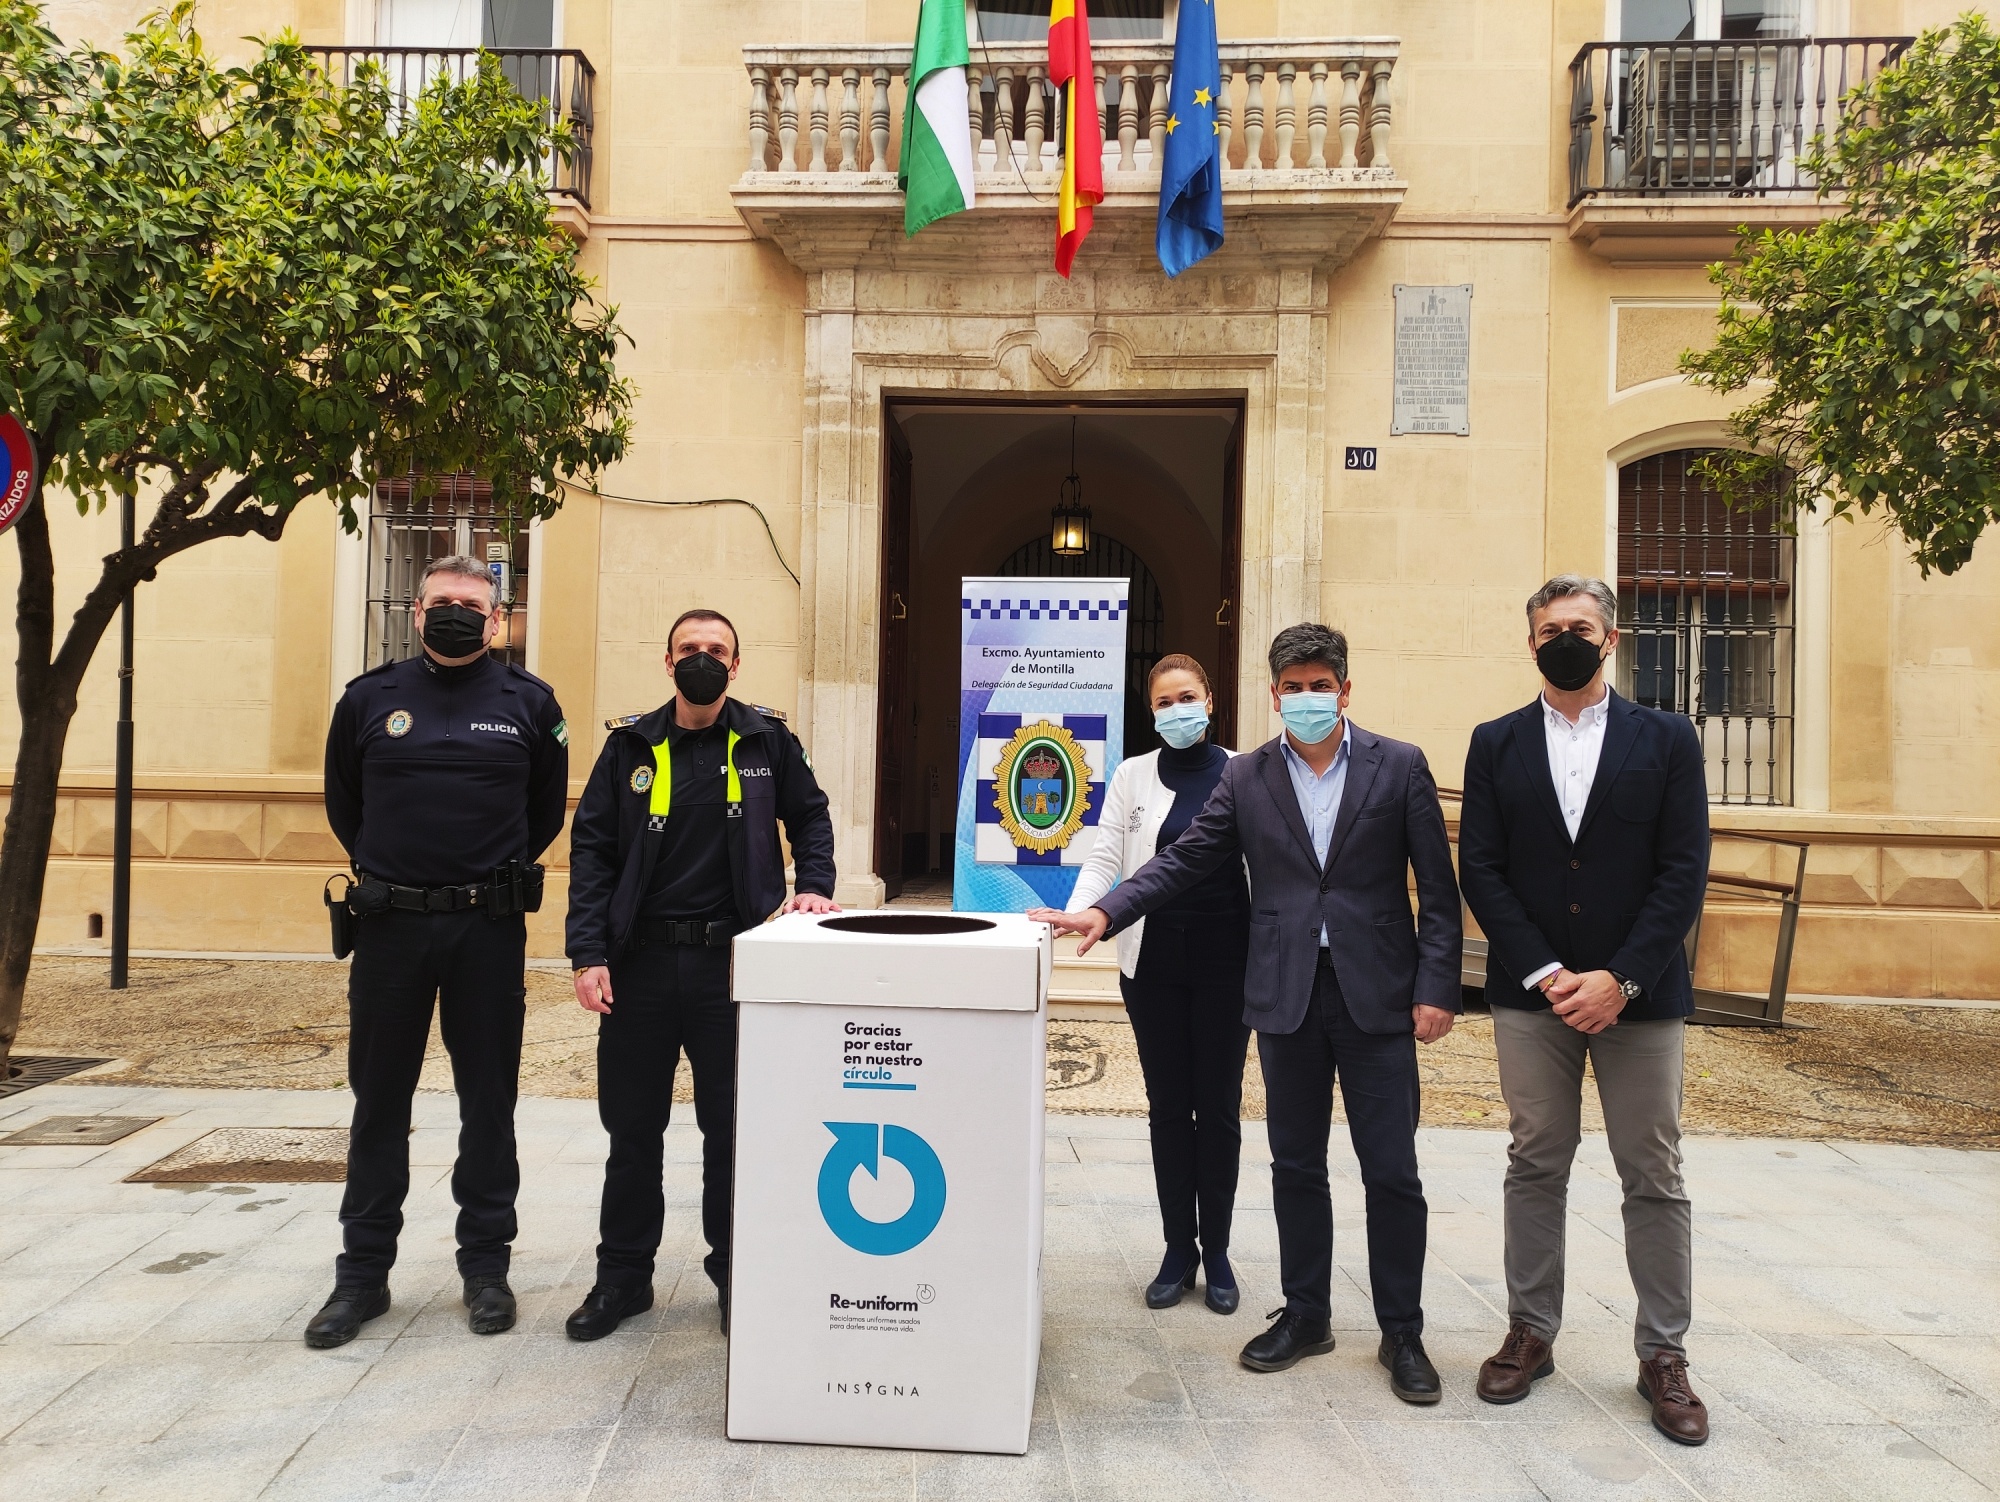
point(1090, 924)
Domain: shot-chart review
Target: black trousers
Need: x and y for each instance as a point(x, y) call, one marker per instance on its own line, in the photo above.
point(1378, 1085)
point(472, 967)
point(1186, 1008)
point(666, 999)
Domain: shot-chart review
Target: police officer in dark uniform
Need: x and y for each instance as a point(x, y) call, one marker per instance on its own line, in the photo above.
point(674, 852)
point(446, 775)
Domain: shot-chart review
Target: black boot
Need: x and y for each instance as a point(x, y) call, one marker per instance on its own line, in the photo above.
point(344, 1313)
point(1175, 1277)
point(1411, 1375)
point(491, 1302)
point(1293, 1335)
point(604, 1309)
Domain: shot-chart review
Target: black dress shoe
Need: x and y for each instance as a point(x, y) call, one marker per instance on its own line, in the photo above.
point(491, 1302)
point(344, 1313)
point(605, 1308)
point(1411, 1375)
point(1175, 1277)
point(1292, 1337)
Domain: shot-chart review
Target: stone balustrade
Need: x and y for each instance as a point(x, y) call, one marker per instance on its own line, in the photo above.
point(1309, 105)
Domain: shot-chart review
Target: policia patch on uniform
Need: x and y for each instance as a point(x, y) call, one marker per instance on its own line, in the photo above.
point(642, 779)
point(399, 722)
point(561, 732)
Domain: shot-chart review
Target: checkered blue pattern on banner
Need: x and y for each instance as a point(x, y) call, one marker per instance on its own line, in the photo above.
point(991, 844)
point(1037, 609)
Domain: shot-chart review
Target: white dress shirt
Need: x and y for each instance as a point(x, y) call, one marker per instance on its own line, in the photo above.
point(1319, 795)
point(1574, 748)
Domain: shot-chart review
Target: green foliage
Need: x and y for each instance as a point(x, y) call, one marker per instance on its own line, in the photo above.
point(1879, 331)
point(251, 278)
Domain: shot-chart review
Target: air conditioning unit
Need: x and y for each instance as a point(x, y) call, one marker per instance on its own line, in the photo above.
point(1717, 115)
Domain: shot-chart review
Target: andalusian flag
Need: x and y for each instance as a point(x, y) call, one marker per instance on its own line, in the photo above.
point(1082, 131)
point(936, 171)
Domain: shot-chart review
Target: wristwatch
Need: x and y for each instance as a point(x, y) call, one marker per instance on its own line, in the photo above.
point(1632, 989)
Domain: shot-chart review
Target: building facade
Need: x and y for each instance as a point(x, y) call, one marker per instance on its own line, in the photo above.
point(866, 417)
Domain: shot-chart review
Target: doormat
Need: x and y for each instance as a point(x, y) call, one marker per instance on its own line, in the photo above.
point(77, 1131)
point(254, 1155)
point(25, 1071)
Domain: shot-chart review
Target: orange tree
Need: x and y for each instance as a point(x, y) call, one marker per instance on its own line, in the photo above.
point(228, 291)
point(1870, 343)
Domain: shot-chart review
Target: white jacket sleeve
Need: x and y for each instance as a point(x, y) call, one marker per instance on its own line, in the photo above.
point(1105, 867)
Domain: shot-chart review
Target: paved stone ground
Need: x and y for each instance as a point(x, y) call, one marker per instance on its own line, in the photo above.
point(1847, 1337)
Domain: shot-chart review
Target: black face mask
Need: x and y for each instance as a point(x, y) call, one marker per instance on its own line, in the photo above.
point(701, 678)
point(454, 630)
point(1568, 661)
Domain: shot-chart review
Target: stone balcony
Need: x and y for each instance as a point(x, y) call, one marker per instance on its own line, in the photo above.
point(1306, 128)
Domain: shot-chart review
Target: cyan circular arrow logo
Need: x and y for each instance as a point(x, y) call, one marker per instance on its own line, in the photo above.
point(862, 1144)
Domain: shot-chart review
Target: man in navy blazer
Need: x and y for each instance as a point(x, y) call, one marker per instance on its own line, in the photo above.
point(1583, 850)
point(1341, 979)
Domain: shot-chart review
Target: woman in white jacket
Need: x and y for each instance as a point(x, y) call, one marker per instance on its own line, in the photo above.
point(1181, 971)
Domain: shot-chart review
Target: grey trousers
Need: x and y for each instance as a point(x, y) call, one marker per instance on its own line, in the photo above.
point(1638, 1070)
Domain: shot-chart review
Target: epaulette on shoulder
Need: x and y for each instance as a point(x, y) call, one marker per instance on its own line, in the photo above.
point(622, 721)
point(520, 672)
point(377, 671)
point(769, 713)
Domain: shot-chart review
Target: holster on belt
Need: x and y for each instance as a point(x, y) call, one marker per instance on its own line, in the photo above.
point(340, 915)
point(517, 888)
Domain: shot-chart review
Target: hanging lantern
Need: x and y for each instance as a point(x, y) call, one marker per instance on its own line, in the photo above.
point(1069, 523)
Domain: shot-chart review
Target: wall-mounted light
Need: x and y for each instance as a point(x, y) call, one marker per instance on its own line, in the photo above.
point(1069, 523)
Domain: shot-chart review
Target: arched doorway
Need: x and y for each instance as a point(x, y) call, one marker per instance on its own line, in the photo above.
point(1145, 632)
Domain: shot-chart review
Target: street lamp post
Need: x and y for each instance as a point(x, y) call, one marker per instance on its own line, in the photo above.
point(121, 806)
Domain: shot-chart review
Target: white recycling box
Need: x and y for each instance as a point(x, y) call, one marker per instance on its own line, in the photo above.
point(886, 1271)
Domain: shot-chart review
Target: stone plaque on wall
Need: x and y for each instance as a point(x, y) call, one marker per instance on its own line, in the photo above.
point(1433, 360)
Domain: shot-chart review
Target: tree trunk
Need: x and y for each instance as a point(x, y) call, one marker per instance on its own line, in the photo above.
point(31, 812)
point(45, 687)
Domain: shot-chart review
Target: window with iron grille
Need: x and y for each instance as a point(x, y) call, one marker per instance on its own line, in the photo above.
point(412, 521)
point(1146, 621)
point(1705, 616)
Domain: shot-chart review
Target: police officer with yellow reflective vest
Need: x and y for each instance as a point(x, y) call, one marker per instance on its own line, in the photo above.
point(673, 853)
point(446, 776)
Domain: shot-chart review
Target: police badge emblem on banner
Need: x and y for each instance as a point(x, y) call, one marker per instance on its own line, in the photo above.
point(1040, 730)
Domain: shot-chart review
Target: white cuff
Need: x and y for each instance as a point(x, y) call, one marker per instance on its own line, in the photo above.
point(1534, 981)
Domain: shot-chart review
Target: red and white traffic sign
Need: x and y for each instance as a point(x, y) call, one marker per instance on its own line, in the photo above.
point(17, 469)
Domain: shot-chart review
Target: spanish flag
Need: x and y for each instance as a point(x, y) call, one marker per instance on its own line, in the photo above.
point(1082, 130)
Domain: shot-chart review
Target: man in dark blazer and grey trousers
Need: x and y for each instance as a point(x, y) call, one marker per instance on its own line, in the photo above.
point(1583, 849)
point(1342, 980)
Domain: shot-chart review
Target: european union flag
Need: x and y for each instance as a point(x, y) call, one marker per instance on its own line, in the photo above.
point(1191, 174)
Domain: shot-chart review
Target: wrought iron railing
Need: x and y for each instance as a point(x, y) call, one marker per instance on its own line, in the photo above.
point(1734, 118)
point(1705, 612)
point(560, 78)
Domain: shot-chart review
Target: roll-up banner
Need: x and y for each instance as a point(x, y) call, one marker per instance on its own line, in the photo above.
point(1040, 730)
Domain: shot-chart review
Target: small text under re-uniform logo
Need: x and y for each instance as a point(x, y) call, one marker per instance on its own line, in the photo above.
point(399, 722)
point(642, 779)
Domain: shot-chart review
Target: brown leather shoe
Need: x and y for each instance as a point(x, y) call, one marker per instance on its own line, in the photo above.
point(1677, 1412)
point(1523, 1359)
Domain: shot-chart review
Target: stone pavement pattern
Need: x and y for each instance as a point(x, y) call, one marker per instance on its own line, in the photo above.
point(1847, 1337)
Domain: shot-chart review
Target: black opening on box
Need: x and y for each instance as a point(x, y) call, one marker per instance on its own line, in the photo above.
point(906, 923)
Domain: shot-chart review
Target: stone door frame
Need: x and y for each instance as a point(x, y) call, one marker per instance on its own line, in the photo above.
point(1257, 336)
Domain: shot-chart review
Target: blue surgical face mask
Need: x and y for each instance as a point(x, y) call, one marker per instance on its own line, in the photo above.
point(1310, 717)
point(1181, 725)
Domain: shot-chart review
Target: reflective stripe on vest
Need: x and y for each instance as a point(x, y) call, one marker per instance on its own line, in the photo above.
point(663, 780)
